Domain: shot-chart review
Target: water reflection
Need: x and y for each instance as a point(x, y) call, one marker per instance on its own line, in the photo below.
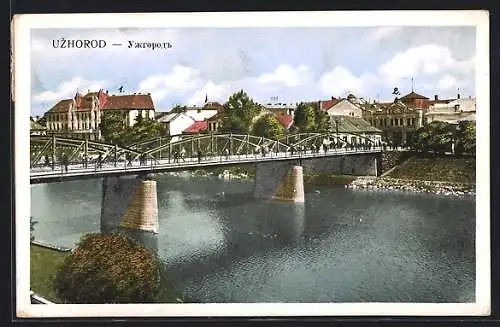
point(219, 244)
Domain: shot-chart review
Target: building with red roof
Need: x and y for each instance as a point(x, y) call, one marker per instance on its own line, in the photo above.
point(285, 120)
point(81, 116)
point(197, 127)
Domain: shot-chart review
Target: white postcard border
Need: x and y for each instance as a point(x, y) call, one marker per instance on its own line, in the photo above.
point(22, 94)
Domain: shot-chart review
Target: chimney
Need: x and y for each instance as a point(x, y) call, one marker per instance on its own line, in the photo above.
point(458, 96)
point(435, 97)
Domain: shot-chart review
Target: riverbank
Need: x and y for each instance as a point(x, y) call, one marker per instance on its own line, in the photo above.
point(43, 267)
point(417, 186)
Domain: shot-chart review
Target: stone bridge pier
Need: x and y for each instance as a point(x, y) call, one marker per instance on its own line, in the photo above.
point(284, 180)
point(130, 204)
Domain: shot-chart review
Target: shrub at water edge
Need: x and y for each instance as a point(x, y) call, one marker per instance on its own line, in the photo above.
point(108, 268)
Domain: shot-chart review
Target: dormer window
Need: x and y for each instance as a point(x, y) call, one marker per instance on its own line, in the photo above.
point(457, 107)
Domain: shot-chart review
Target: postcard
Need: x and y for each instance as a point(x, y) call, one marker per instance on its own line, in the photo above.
point(252, 164)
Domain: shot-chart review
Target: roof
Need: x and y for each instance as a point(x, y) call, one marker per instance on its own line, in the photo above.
point(197, 127)
point(61, 106)
point(168, 117)
point(107, 102)
point(413, 95)
point(133, 101)
point(349, 124)
point(285, 120)
point(327, 104)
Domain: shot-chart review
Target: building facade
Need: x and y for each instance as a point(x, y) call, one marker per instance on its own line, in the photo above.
point(81, 116)
point(355, 130)
point(400, 119)
point(453, 111)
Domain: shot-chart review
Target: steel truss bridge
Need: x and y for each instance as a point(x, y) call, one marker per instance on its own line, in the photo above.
point(56, 158)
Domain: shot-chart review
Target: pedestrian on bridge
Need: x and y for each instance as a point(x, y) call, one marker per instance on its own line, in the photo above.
point(226, 153)
point(65, 162)
point(183, 154)
point(199, 154)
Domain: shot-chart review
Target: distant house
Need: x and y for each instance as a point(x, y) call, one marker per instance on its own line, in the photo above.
point(214, 123)
point(286, 121)
point(175, 123)
point(279, 109)
point(196, 128)
point(354, 130)
point(453, 111)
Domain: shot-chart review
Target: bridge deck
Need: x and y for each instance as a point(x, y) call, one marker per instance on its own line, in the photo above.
point(122, 168)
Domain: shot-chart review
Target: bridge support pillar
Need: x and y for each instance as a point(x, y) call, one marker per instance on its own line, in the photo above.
point(279, 181)
point(130, 203)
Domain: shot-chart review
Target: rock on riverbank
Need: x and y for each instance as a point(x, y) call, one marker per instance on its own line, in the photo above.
point(385, 183)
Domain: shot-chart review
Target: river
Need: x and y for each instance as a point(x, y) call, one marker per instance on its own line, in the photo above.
point(343, 245)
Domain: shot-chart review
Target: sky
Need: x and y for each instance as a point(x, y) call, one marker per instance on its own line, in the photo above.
point(293, 64)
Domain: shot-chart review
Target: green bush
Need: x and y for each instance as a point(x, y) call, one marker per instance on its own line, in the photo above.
point(108, 268)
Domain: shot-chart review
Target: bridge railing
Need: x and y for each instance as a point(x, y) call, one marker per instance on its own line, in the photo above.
point(153, 163)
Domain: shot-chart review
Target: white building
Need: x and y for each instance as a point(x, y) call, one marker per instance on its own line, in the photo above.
point(350, 106)
point(452, 112)
point(175, 123)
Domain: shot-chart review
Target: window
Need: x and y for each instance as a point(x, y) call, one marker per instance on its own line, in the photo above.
point(408, 122)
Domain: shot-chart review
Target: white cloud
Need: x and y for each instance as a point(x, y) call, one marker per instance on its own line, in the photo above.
point(340, 80)
point(446, 82)
point(69, 88)
point(180, 80)
point(286, 76)
point(382, 33)
point(426, 59)
point(214, 92)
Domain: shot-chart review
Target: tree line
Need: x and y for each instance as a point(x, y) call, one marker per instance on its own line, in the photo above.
point(439, 136)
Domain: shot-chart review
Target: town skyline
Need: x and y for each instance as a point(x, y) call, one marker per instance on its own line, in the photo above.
point(440, 60)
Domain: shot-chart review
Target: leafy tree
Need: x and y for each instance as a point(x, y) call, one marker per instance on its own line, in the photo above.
point(268, 126)
point(305, 118)
point(436, 136)
point(114, 130)
point(239, 113)
point(142, 130)
point(466, 137)
point(112, 127)
point(108, 268)
point(322, 120)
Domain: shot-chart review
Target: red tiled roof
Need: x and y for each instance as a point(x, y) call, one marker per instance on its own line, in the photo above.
point(134, 101)
point(327, 104)
point(197, 127)
point(413, 95)
point(285, 120)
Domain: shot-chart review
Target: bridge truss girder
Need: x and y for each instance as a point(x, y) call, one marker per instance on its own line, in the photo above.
point(212, 145)
point(306, 140)
point(75, 150)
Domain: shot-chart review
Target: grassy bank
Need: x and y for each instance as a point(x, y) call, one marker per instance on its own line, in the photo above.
point(44, 263)
point(437, 168)
point(43, 267)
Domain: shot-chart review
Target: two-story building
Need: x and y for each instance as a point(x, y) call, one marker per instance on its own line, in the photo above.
point(81, 116)
point(453, 111)
point(399, 119)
